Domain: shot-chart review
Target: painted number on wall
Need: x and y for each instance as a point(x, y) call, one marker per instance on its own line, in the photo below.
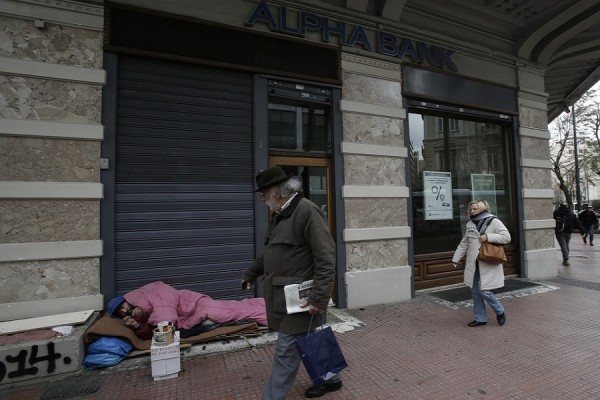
point(29, 362)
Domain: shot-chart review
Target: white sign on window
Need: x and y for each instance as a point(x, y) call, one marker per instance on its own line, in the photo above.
point(483, 187)
point(437, 193)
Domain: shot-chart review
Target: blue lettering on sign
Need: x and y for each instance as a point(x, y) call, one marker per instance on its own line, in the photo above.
point(309, 22)
point(351, 35)
point(359, 37)
point(328, 30)
point(408, 50)
point(263, 14)
point(387, 44)
point(283, 22)
point(445, 60)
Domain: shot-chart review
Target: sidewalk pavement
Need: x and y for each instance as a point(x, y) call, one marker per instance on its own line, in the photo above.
point(419, 349)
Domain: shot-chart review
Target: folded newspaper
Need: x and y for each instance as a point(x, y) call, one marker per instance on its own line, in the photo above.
point(294, 294)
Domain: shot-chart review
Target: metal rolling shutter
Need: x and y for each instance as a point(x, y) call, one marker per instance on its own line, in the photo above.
point(184, 201)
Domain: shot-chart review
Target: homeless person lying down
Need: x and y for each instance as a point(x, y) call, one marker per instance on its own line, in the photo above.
point(191, 312)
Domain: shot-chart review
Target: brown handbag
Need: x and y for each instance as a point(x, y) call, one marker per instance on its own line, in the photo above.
point(492, 253)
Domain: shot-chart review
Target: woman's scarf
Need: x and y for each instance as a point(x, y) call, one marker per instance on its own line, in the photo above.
point(480, 218)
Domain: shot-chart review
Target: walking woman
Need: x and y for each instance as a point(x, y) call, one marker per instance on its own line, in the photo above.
point(482, 277)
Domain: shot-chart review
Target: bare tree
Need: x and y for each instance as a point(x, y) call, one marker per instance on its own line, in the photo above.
point(591, 139)
point(561, 135)
point(587, 119)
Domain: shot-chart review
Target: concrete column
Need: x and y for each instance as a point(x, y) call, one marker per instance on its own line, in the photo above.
point(535, 168)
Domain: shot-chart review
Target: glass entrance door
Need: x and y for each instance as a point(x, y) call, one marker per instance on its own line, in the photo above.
point(300, 132)
point(316, 180)
point(300, 136)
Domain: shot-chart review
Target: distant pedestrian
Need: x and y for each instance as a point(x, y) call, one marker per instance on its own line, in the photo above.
point(588, 221)
point(566, 221)
point(482, 277)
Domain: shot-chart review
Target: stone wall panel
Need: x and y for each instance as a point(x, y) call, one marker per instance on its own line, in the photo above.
point(366, 89)
point(375, 213)
point(26, 221)
point(54, 44)
point(537, 178)
point(48, 100)
point(361, 256)
point(367, 129)
point(53, 160)
point(52, 279)
point(533, 118)
point(535, 209)
point(369, 170)
point(535, 148)
point(539, 239)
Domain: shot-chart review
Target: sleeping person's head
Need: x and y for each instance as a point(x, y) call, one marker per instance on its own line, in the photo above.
point(119, 308)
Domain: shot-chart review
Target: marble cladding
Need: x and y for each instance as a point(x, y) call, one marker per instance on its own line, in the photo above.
point(49, 159)
point(535, 148)
point(533, 118)
point(52, 279)
point(371, 90)
point(370, 170)
point(49, 100)
point(538, 239)
point(362, 256)
point(535, 209)
point(53, 160)
point(536, 178)
point(54, 44)
point(368, 129)
point(374, 170)
point(375, 213)
point(28, 221)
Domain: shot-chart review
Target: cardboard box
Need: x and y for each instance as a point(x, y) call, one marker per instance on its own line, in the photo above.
point(166, 360)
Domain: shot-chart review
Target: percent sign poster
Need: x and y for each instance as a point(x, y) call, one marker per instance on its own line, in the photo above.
point(437, 190)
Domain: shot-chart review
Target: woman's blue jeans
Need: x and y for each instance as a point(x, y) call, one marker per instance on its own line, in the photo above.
point(589, 230)
point(480, 297)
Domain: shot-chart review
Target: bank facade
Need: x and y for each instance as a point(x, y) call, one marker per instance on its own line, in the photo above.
point(131, 133)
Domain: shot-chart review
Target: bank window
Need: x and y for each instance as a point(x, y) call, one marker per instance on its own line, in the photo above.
point(440, 126)
point(466, 161)
point(299, 128)
point(440, 160)
point(453, 126)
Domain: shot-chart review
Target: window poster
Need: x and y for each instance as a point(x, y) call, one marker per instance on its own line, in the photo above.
point(437, 193)
point(483, 187)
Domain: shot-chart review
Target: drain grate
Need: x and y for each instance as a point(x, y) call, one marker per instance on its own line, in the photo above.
point(72, 388)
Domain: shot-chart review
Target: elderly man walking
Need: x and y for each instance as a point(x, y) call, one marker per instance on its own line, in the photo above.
point(298, 247)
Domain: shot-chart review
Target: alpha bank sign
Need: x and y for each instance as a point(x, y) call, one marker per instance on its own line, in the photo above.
point(301, 23)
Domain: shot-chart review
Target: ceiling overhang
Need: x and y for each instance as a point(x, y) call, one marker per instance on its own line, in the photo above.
point(561, 37)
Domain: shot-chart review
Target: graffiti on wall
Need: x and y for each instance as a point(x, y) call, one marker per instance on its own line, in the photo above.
point(37, 360)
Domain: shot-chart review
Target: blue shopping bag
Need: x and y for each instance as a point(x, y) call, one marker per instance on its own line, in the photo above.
point(321, 354)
